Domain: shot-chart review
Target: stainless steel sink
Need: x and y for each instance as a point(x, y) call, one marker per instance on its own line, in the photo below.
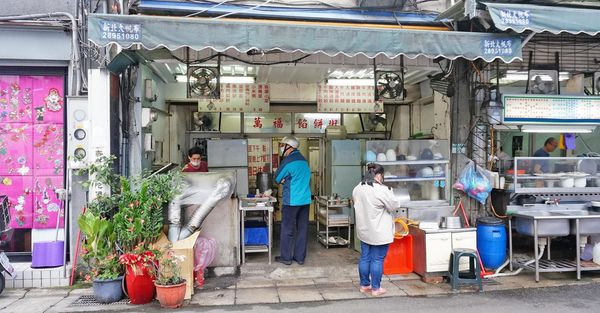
point(546, 228)
point(587, 226)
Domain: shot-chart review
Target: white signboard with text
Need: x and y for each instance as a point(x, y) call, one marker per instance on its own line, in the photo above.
point(551, 109)
point(238, 98)
point(347, 99)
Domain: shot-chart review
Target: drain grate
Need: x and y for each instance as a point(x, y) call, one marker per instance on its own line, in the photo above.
point(89, 300)
point(490, 282)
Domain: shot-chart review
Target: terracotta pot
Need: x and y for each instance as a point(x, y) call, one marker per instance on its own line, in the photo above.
point(170, 296)
point(140, 287)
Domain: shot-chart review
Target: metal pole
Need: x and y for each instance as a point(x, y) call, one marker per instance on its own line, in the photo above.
point(535, 250)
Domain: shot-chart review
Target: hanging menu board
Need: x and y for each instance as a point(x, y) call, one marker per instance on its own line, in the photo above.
point(238, 98)
point(342, 99)
point(551, 109)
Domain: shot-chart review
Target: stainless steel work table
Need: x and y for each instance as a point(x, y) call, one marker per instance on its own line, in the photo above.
point(257, 204)
point(549, 265)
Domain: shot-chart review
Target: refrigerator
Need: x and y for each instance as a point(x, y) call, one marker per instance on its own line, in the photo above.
point(342, 166)
point(230, 154)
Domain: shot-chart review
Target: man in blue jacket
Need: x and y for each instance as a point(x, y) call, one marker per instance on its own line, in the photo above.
point(294, 174)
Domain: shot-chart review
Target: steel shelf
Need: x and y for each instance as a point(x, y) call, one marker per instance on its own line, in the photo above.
point(414, 162)
point(326, 226)
point(558, 190)
point(432, 178)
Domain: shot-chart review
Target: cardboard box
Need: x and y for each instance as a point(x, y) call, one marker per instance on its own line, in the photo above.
point(184, 247)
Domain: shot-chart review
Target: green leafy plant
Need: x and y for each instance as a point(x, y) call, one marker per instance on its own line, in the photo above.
point(139, 219)
point(167, 269)
point(98, 249)
point(103, 177)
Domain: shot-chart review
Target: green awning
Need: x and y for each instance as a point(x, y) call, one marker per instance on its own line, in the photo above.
point(152, 32)
point(540, 18)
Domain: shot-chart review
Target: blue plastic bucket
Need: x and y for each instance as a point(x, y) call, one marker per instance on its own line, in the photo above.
point(491, 241)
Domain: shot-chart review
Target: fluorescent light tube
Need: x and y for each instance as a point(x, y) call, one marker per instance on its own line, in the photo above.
point(350, 82)
point(223, 79)
point(236, 80)
point(558, 128)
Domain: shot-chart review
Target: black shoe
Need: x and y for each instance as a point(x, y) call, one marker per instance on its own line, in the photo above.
point(280, 260)
point(299, 262)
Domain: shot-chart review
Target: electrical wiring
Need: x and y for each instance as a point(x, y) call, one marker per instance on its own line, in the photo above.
point(239, 60)
point(244, 10)
point(202, 11)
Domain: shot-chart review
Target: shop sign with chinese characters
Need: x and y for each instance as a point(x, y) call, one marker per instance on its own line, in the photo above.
point(121, 32)
point(238, 98)
point(551, 109)
point(268, 123)
point(347, 99)
point(311, 123)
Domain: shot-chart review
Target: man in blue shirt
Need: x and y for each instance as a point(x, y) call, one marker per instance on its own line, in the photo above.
point(294, 174)
point(542, 166)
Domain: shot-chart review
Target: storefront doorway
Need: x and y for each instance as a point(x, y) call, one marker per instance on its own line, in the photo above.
point(32, 141)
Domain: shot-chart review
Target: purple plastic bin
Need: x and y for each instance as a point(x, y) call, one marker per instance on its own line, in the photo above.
point(47, 254)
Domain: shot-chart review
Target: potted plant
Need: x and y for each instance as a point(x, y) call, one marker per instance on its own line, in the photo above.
point(138, 224)
point(100, 255)
point(135, 207)
point(170, 286)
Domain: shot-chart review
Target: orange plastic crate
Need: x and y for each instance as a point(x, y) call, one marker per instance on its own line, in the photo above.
point(399, 259)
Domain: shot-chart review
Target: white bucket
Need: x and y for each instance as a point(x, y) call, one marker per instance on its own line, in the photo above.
point(596, 253)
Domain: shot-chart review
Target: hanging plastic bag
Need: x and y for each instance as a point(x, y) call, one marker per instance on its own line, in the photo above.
point(474, 183)
point(204, 253)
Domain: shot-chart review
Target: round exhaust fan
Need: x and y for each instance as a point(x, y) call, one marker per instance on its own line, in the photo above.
point(202, 82)
point(390, 85)
point(543, 82)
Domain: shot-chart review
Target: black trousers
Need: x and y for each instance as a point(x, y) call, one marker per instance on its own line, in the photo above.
point(294, 232)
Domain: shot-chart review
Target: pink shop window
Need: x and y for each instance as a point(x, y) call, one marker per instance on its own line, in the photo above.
point(48, 149)
point(16, 150)
point(46, 207)
point(20, 197)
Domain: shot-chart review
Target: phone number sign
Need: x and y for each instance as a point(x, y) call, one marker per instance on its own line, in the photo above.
point(121, 31)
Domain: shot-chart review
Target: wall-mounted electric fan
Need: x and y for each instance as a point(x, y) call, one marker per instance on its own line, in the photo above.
point(389, 85)
point(542, 82)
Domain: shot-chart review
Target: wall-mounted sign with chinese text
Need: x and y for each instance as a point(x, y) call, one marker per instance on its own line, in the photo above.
point(259, 158)
point(238, 98)
point(122, 32)
point(515, 17)
point(314, 123)
point(347, 99)
point(268, 123)
point(551, 109)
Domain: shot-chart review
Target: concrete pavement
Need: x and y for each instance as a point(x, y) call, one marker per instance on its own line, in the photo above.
point(246, 291)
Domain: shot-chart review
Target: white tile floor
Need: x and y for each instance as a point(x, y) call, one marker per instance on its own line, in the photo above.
point(27, 277)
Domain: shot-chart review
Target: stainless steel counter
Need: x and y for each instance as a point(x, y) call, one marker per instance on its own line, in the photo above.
point(553, 222)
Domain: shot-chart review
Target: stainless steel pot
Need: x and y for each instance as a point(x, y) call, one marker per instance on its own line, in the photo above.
point(263, 181)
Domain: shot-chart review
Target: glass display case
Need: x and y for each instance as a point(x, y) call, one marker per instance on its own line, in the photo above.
point(418, 167)
point(556, 175)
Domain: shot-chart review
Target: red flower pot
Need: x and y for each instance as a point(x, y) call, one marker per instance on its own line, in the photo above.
point(170, 296)
point(140, 287)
